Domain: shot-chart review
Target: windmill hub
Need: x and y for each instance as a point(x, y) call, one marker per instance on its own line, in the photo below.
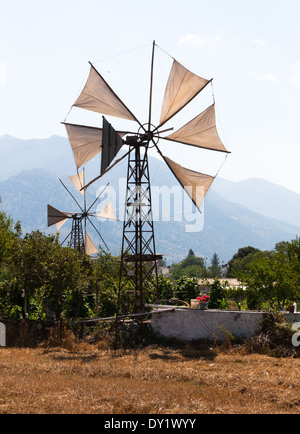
point(146, 134)
point(141, 139)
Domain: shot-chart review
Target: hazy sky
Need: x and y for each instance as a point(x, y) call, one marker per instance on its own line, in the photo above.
point(251, 48)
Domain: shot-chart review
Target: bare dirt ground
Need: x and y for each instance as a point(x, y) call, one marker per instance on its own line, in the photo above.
point(153, 380)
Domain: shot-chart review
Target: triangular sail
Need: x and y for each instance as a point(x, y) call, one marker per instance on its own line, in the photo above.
point(89, 246)
point(181, 88)
point(78, 181)
point(111, 144)
point(200, 132)
point(56, 217)
point(97, 96)
point(86, 142)
point(60, 224)
point(107, 212)
point(195, 184)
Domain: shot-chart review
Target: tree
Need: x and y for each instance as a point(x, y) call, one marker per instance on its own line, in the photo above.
point(187, 289)
point(162, 292)
point(8, 237)
point(105, 282)
point(217, 293)
point(69, 281)
point(191, 266)
point(273, 278)
point(45, 277)
point(241, 260)
point(215, 270)
point(40, 279)
point(165, 288)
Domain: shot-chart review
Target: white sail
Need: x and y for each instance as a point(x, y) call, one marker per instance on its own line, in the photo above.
point(89, 246)
point(107, 212)
point(200, 132)
point(181, 88)
point(78, 181)
point(195, 184)
point(60, 224)
point(86, 142)
point(97, 96)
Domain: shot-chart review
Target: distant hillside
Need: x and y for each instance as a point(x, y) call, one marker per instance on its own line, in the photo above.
point(263, 197)
point(227, 226)
point(236, 214)
point(52, 154)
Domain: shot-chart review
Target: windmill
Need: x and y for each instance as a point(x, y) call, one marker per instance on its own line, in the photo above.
point(79, 237)
point(138, 242)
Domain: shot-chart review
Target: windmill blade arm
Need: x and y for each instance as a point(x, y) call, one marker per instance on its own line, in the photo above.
point(66, 238)
point(98, 233)
point(92, 181)
point(151, 86)
point(98, 197)
point(196, 146)
point(107, 170)
point(71, 195)
point(95, 214)
point(163, 131)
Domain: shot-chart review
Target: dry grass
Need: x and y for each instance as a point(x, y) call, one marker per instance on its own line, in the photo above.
point(154, 380)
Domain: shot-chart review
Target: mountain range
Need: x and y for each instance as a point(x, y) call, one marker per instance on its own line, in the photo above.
point(236, 214)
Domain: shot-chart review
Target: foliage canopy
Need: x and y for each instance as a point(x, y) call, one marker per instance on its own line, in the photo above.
point(41, 280)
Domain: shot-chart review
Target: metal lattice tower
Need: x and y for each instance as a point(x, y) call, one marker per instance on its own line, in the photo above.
point(77, 238)
point(138, 259)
